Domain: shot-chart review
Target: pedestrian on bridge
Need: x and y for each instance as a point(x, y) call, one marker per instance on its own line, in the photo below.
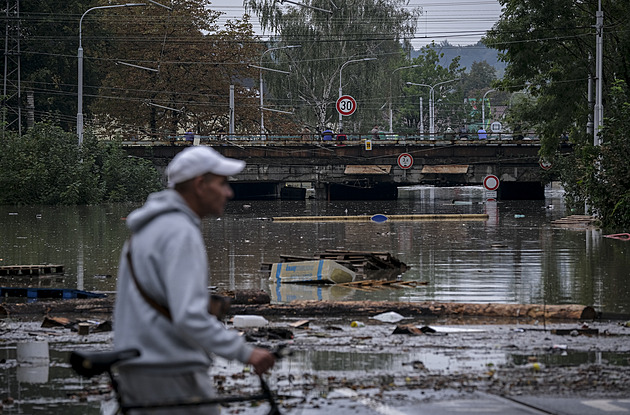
point(327, 135)
point(482, 134)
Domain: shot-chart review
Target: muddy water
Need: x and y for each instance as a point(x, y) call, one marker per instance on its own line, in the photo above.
point(514, 257)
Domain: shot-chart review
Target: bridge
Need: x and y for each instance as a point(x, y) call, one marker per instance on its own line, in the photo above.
point(365, 169)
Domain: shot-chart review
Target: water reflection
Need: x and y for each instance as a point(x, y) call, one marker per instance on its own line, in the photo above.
point(516, 256)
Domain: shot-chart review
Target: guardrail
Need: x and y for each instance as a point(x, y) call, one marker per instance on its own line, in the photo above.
point(314, 139)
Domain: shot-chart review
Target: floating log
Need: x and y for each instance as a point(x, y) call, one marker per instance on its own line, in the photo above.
point(576, 222)
point(337, 308)
point(425, 309)
point(82, 306)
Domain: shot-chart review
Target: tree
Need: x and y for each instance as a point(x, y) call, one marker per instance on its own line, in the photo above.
point(600, 175)
point(355, 30)
point(549, 47)
point(192, 61)
point(448, 108)
point(48, 58)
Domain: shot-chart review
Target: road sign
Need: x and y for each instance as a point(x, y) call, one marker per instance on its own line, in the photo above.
point(545, 165)
point(491, 182)
point(368, 144)
point(405, 161)
point(496, 127)
point(346, 105)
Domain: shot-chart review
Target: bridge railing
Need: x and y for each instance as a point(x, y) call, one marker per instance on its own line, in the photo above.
point(351, 139)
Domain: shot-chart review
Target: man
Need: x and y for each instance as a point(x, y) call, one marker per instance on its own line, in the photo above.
point(375, 132)
point(168, 270)
point(482, 134)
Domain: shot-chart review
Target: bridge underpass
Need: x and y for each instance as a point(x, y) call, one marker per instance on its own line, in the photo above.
point(353, 172)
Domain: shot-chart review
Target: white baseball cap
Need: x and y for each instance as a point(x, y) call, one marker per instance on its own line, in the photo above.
point(196, 161)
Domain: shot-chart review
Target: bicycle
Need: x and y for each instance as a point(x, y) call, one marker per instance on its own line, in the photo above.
point(90, 364)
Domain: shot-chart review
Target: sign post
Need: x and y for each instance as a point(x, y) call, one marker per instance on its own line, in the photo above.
point(491, 184)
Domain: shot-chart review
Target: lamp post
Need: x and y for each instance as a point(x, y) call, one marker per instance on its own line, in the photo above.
point(80, 67)
point(260, 67)
point(391, 121)
point(483, 108)
point(432, 102)
point(340, 88)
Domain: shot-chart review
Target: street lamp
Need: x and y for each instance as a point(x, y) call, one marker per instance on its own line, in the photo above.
point(260, 67)
point(483, 108)
point(80, 67)
point(340, 89)
point(431, 102)
point(390, 95)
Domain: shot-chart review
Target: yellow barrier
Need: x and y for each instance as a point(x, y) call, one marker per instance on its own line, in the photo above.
point(392, 218)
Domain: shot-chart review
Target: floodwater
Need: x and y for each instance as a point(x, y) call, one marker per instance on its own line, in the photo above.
point(516, 256)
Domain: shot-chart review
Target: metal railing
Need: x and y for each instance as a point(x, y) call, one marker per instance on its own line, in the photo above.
point(316, 139)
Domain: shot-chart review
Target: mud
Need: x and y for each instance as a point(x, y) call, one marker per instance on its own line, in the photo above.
point(502, 357)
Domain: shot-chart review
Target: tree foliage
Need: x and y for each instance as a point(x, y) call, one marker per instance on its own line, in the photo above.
point(192, 61)
point(600, 175)
point(45, 166)
point(549, 46)
point(448, 97)
point(355, 30)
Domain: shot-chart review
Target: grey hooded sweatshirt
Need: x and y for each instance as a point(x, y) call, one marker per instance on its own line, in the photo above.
point(170, 262)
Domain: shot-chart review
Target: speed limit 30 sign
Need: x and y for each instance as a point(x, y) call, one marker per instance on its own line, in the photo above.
point(346, 105)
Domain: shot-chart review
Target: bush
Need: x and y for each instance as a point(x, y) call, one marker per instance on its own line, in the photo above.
point(46, 166)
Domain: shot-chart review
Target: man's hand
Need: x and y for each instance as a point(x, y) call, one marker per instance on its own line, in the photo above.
point(262, 360)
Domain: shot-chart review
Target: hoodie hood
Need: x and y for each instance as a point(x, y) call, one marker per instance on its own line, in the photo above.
point(157, 204)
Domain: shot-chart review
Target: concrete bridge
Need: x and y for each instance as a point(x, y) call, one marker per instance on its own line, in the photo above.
point(283, 167)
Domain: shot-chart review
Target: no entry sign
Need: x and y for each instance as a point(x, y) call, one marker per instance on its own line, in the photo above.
point(346, 105)
point(491, 182)
point(405, 161)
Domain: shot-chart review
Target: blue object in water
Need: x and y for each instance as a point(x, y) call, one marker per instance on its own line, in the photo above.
point(379, 218)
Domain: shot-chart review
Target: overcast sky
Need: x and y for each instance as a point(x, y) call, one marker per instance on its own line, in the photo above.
point(461, 22)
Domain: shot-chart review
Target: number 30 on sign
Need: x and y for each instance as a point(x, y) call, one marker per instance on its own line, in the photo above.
point(346, 105)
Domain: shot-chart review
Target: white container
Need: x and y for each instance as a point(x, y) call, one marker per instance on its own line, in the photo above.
point(244, 320)
point(33, 353)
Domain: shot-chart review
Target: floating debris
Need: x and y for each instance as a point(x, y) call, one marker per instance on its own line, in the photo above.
point(576, 222)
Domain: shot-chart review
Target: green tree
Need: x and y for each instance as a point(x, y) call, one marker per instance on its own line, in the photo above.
point(45, 166)
point(600, 175)
point(356, 29)
point(549, 47)
point(48, 58)
point(448, 97)
point(192, 61)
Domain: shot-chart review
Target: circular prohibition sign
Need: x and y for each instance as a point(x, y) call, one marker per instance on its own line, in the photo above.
point(405, 161)
point(346, 105)
point(491, 182)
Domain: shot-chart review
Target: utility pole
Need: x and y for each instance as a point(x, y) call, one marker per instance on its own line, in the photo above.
point(598, 117)
point(11, 91)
